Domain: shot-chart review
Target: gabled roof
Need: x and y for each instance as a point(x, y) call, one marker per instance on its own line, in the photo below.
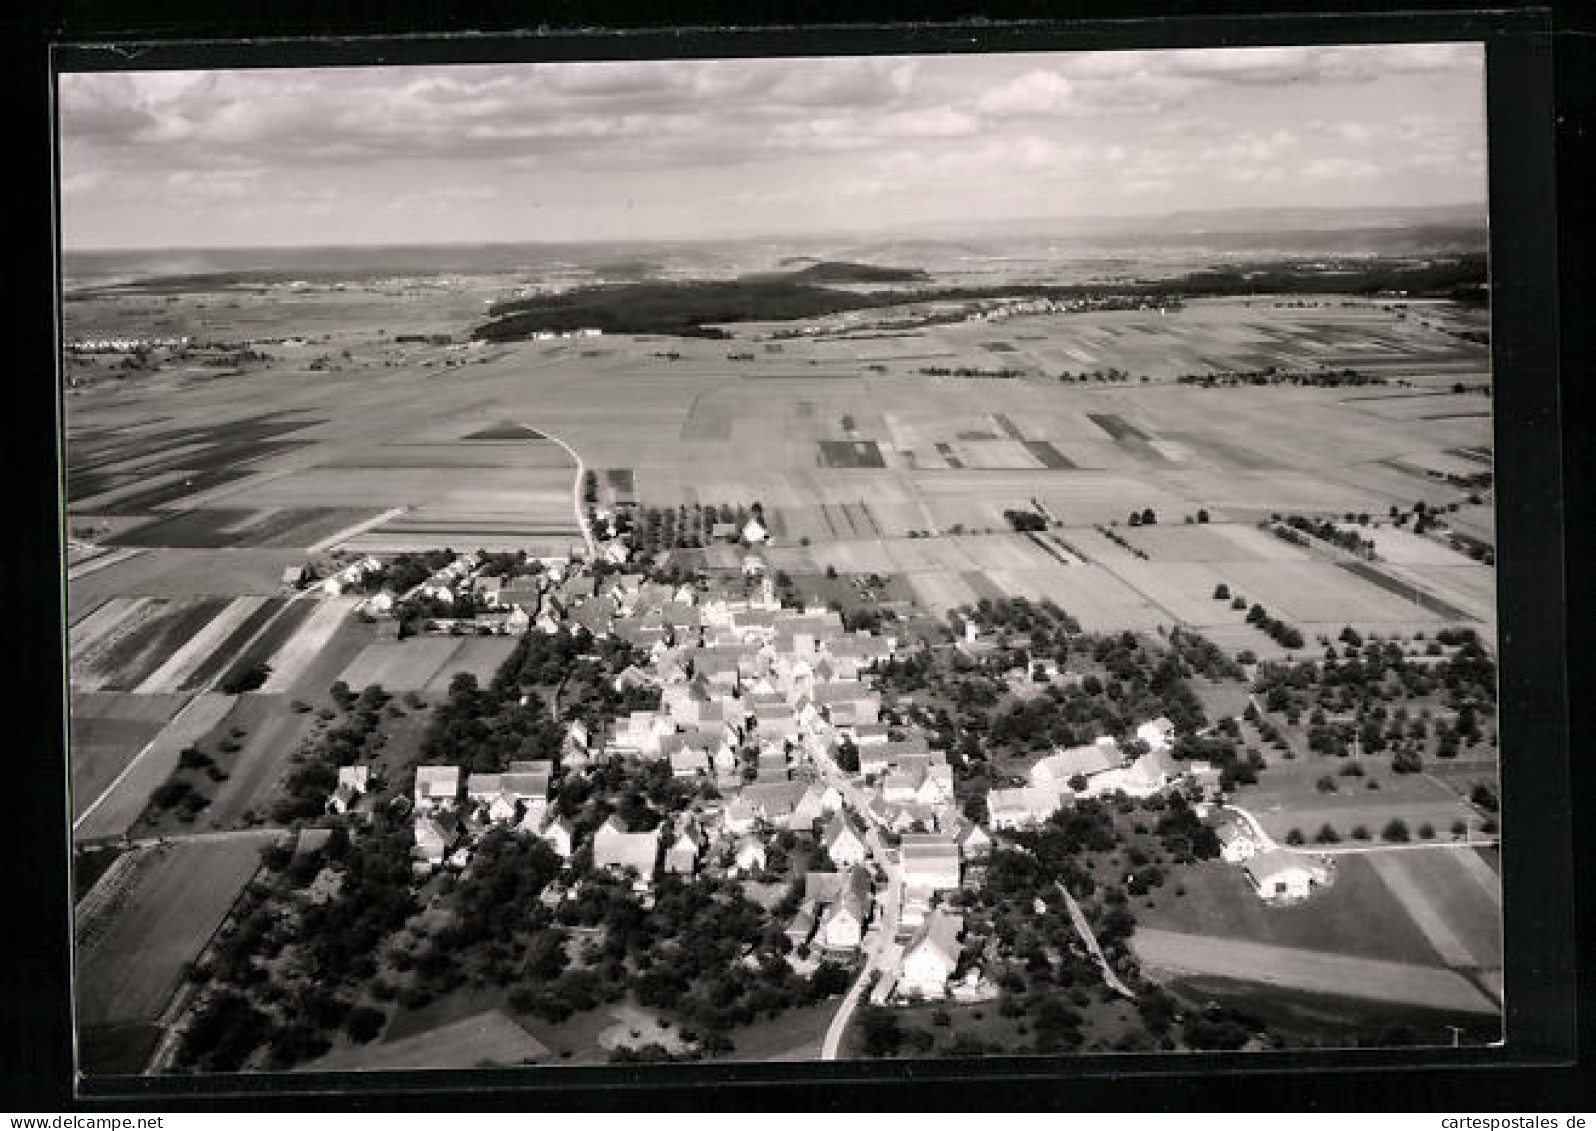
point(437, 781)
point(837, 827)
point(1093, 758)
point(939, 936)
point(613, 848)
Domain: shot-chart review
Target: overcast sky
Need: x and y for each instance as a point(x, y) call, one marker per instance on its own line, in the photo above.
point(757, 147)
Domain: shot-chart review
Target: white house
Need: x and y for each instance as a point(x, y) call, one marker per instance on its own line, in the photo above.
point(1279, 876)
point(560, 836)
point(930, 860)
point(848, 910)
point(931, 956)
point(750, 854)
point(614, 847)
point(437, 786)
point(1057, 771)
point(754, 532)
point(843, 842)
point(1159, 733)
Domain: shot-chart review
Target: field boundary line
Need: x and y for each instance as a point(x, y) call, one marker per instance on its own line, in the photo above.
point(357, 529)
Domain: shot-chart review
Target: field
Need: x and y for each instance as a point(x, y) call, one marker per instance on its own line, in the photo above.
point(864, 463)
point(107, 730)
point(1321, 972)
point(131, 953)
point(1356, 915)
point(112, 812)
point(486, 1040)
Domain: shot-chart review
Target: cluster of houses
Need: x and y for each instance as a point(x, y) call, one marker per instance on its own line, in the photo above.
point(1097, 769)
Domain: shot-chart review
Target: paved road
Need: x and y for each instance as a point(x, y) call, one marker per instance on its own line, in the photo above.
point(886, 931)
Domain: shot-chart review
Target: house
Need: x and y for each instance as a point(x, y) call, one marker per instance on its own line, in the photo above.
point(681, 857)
point(1022, 808)
point(437, 834)
point(811, 807)
point(843, 842)
point(1280, 876)
point(352, 783)
point(930, 860)
point(802, 925)
point(724, 532)
point(296, 575)
point(577, 739)
point(1058, 770)
point(614, 847)
point(1159, 733)
point(973, 841)
point(688, 761)
point(1149, 774)
point(774, 801)
point(843, 926)
point(749, 855)
point(739, 817)
point(560, 836)
point(754, 532)
point(932, 956)
point(436, 786)
point(1238, 840)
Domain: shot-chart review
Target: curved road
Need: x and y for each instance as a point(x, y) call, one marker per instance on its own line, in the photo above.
point(576, 492)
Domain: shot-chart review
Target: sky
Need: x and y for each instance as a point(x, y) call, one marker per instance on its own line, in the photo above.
point(768, 147)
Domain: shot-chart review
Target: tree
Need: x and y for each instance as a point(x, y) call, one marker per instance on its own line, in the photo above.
point(1221, 592)
point(1396, 831)
point(1326, 835)
point(1294, 837)
point(1202, 516)
point(1148, 517)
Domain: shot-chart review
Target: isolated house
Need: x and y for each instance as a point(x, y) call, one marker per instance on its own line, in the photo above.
point(932, 955)
point(1279, 876)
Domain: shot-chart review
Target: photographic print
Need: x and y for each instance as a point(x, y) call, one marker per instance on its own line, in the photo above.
point(780, 559)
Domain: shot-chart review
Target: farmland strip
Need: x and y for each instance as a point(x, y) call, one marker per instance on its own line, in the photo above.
point(1405, 590)
point(272, 638)
point(307, 642)
point(133, 658)
point(219, 657)
point(181, 664)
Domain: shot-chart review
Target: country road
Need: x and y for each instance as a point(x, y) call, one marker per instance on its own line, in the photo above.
point(886, 930)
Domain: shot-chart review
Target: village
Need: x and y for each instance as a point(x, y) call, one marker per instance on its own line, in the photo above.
point(771, 714)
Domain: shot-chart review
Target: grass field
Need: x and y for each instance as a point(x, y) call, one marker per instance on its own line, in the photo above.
point(129, 965)
point(1315, 971)
point(296, 653)
point(115, 809)
point(407, 665)
point(486, 1040)
point(107, 730)
point(1356, 915)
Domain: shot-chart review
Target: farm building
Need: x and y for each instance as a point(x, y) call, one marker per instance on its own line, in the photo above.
point(1279, 876)
point(1056, 771)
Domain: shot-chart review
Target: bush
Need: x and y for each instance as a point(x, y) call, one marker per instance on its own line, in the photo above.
point(1294, 837)
point(1426, 831)
point(238, 682)
point(1326, 835)
point(1359, 833)
point(1396, 830)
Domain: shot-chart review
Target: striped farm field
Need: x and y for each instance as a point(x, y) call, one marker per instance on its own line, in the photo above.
point(139, 644)
point(271, 638)
point(309, 638)
point(177, 670)
point(229, 647)
point(1091, 594)
point(940, 592)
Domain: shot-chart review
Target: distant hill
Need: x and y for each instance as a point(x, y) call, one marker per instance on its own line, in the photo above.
point(836, 271)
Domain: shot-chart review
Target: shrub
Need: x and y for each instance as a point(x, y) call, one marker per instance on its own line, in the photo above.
point(1396, 830)
point(1326, 835)
point(238, 682)
point(1359, 833)
point(1294, 837)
